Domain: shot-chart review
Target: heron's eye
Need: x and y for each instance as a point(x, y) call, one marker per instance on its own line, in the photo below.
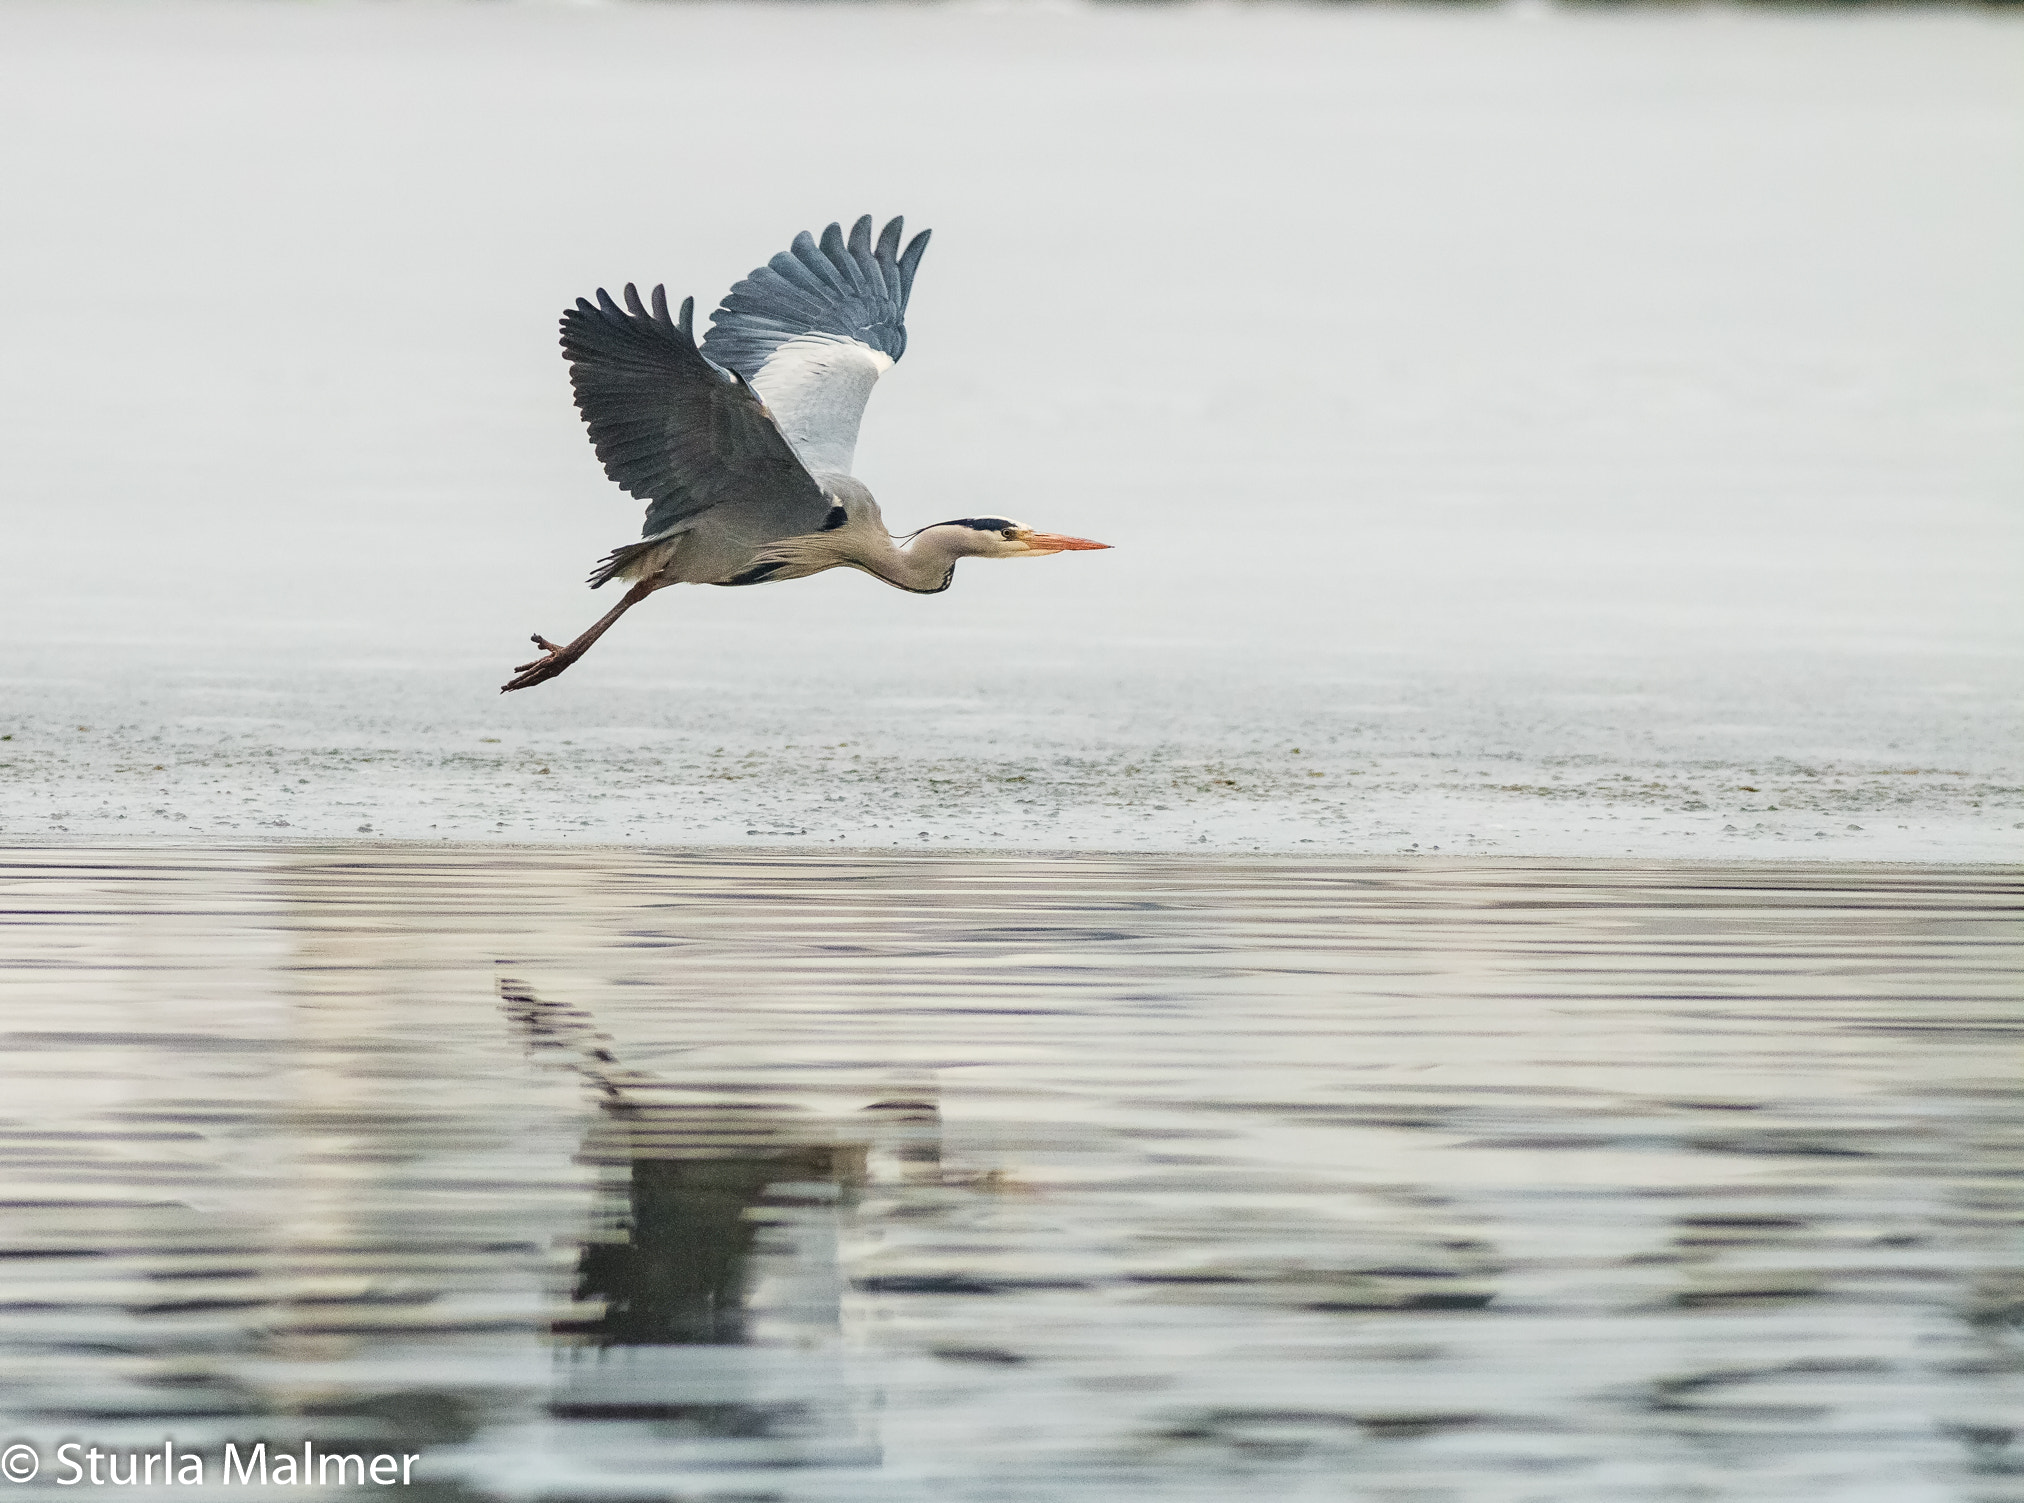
point(1010, 534)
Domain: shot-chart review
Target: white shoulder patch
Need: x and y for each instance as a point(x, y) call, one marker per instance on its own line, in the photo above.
point(816, 385)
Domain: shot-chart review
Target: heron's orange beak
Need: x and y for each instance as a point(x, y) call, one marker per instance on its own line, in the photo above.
point(1054, 542)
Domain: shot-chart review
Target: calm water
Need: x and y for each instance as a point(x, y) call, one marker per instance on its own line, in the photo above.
point(634, 1175)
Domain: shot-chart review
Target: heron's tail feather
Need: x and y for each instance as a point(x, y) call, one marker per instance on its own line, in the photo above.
point(633, 561)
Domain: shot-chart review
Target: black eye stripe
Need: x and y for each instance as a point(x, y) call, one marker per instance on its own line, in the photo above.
point(982, 524)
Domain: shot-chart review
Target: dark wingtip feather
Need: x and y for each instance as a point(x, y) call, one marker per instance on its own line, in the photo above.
point(633, 303)
point(916, 248)
point(661, 306)
point(688, 318)
point(835, 253)
point(886, 257)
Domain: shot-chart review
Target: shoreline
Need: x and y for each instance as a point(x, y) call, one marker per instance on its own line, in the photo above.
point(830, 855)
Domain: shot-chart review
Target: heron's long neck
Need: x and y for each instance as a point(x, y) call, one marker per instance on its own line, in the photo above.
point(924, 566)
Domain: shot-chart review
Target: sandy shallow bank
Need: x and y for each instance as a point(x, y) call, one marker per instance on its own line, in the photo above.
point(1607, 762)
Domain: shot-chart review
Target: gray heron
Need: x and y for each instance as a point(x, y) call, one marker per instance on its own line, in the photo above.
point(742, 448)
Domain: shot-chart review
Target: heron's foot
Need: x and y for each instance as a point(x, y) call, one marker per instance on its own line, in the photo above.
point(553, 660)
point(550, 650)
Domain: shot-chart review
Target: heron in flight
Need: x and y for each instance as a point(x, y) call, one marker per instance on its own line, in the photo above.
point(742, 448)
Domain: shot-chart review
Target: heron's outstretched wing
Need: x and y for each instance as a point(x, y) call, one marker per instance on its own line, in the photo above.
point(684, 435)
point(815, 327)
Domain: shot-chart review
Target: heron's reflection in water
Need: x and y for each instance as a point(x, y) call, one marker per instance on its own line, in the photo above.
point(708, 1295)
point(705, 1190)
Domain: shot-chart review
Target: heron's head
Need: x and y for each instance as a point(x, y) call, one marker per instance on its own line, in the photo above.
point(998, 537)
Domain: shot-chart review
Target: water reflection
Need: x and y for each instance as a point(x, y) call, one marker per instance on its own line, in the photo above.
point(715, 1225)
point(921, 1179)
point(689, 1186)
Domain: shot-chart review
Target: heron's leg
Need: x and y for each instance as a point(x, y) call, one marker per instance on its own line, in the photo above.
point(556, 658)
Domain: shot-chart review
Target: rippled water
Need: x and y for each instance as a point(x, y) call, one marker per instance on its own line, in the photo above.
point(637, 1175)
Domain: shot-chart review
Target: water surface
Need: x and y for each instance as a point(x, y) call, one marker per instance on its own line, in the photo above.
point(634, 1174)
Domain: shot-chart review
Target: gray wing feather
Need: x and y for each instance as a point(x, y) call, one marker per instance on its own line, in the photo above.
point(681, 433)
point(850, 289)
